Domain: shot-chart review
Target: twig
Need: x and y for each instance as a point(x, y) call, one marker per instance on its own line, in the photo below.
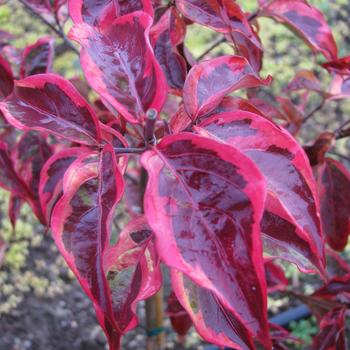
point(340, 132)
point(212, 47)
point(343, 133)
point(59, 31)
point(253, 16)
point(316, 109)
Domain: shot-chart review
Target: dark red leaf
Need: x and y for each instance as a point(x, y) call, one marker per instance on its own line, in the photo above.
point(231, 104)
point(180, 121)
point(294, 114)
point(91, 11)
point(318, 306)
point(117, 140)
point(337, 289)
point(180, 319)
point(47, 102)
point(339, 66)
point(169, 32)
point(204, 201)
point(127, 76)
point(8, 134)
point(208, 82)
point(45, 6)
point(307, 21)
point(212, 320)
point(95, 12)
point(275, 278)
point(39, 5)
point(80, 224)
point(52, 175)
point(30, 154)
point(6, 79)
point(305, 80)
point(336, 265)
point(332, 332)
point(82, 86)
point(133, 272)
point(9, 180)
point(291, 224)
point(133, 194)
point(333, 181)
point(317, 151)
point(267, 108)
point(15, 205)
point(37, 58)
point(225, 16)
point(280, 335)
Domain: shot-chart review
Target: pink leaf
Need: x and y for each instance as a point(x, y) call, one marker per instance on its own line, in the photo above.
point(208, 82)
point(37, 58)
point(126, 75)
point(204, 201)
point(307, 21)
point(213, 321)
point(47, 102)
point(291, 223)
point(80, 224)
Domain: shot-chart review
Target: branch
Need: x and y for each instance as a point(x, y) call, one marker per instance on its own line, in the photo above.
point(59, 31)
point(340, 132)
point(212, 47)
point(316, 109)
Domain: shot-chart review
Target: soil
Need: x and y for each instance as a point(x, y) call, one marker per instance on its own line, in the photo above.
point(65, 321)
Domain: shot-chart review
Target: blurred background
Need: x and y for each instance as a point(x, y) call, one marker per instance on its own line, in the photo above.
point(41, 304)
